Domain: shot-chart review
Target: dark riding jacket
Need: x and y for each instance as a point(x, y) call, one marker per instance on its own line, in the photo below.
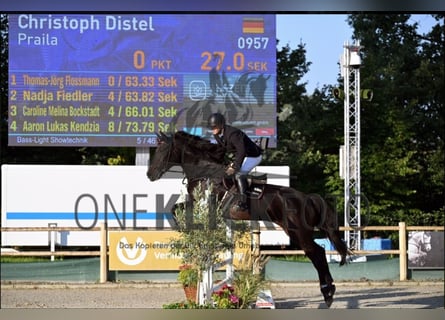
point(237, 142)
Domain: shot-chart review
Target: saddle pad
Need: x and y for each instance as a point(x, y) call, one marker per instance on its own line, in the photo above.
point(258, 178)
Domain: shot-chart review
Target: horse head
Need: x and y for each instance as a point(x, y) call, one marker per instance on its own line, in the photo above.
point(198, 157)
point(420, 241)
point(161, 161)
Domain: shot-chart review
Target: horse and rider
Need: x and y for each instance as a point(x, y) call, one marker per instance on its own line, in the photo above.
point(298, 213)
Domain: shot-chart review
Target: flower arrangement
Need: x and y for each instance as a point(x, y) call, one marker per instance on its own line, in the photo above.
point(200, 245)
point(225, 298)
point(188, 275)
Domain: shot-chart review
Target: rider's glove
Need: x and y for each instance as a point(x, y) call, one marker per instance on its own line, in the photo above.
point(230, 171)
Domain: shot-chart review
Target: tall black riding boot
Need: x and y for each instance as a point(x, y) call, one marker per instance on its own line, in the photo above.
point(241, 181)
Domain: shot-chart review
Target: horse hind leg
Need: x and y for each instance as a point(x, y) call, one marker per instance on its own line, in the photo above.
point(327, 287)
point(318, 257)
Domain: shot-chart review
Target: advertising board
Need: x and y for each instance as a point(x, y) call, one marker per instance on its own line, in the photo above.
point(85, 196)
point(425, 250)
point(117, 79)
point(150, 250)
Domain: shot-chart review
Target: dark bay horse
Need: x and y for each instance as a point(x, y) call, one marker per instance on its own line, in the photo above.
point(297, 213)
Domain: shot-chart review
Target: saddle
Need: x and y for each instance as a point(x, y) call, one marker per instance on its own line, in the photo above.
point(256, 183)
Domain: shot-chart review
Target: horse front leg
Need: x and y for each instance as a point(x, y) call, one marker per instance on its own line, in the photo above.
point(318, 257)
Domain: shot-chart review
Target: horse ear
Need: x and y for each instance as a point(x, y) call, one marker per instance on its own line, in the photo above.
point(161, 137)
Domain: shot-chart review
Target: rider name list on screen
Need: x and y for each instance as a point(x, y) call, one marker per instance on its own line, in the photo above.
point(117, 80)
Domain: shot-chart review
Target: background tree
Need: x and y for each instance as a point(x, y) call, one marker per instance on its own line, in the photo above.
point(402, 142)
point(295, 145)
point(310, 127)
point(402, 129)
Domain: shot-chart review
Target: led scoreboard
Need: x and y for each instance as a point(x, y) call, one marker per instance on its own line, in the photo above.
point(117, 80)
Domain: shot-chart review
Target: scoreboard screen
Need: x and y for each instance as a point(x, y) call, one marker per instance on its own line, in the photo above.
point(118, 79)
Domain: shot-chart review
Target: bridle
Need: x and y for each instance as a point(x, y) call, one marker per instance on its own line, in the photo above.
point(167, 165)
point(426, 240)
point(163, 138)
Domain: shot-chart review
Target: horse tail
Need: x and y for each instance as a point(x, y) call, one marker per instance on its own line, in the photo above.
point(329, 224)
point(339, 244)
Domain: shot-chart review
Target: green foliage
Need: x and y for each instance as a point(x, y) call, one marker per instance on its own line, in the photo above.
point(402, 129)
point(202, 232)
point(187, 305)
point(293, 258)
point(402, 136)
point(247, 286)
point(202, 239)
point(291, 67)
point(107, 156)
point(188, 275)
point(23, 259)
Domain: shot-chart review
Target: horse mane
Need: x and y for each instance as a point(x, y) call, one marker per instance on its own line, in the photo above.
point(204, 148)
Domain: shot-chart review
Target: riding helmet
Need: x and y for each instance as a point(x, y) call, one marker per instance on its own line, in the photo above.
point(216, 120)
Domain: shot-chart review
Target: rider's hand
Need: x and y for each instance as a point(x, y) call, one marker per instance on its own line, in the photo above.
point(230, 171)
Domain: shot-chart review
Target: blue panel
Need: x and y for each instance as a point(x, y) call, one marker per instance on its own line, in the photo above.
point(86, 215)
point(376, 244)
point(325, 243)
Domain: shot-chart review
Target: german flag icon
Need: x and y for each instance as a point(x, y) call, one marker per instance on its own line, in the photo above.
point(253, 25)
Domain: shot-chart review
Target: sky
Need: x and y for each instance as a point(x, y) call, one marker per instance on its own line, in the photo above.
point(324, 36)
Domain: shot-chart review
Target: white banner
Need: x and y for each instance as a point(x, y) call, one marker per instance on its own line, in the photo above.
point(84, 196)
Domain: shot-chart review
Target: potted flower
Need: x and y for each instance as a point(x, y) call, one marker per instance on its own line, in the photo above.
point(188, 276)
point(225, 298)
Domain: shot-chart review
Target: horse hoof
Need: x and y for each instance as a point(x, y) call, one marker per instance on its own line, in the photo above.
point(328, 294)
point(328, 301)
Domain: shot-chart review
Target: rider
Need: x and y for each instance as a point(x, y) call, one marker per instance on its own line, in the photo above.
point(247, 153)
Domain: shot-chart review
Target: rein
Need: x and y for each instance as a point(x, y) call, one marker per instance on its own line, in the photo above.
point(172, 153)
point(181, 163)
point(170, 147)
